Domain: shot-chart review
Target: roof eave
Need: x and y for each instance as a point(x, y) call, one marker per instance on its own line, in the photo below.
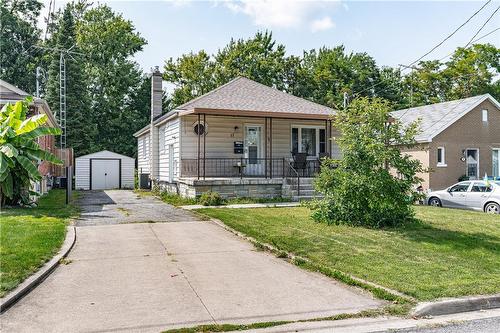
point(255, 113)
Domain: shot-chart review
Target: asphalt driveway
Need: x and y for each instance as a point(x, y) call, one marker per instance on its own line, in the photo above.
point(147, 277)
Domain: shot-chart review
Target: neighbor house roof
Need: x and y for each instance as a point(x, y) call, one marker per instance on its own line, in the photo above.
point(435, 118)
point(11, 94)
point(245, 97)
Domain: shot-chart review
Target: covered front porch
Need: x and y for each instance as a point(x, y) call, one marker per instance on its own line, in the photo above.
point(219, 146)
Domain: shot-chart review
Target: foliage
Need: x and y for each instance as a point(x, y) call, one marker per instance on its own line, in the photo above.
point(374, 182)
point(31, 236)
point(115, 82)
point(80, 123)
point(211, 199)
point(19, 34)
point(448, 253)
point(19, 152)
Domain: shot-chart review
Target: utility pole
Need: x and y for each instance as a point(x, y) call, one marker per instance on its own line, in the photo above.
point(411, 81)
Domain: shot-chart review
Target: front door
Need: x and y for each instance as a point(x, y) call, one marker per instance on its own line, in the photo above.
point(472, 160)
point(495, 157)
point(253, 151)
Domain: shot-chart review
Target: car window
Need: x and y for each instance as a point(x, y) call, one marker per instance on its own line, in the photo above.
point(481, 187)
point(462, 187)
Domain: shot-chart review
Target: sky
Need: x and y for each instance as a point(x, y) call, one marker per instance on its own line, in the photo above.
point(393, 32)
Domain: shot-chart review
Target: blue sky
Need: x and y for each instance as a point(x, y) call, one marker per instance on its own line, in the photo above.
point(393, 32)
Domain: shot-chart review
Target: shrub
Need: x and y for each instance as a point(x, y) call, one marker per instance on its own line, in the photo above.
point(211, 199)
point(374, 184)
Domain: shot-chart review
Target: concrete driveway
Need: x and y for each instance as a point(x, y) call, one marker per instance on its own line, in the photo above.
point(148, 277)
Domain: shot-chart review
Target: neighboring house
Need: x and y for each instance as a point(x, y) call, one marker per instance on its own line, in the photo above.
point(457, 138)
point(49, 172)
point(241, 139)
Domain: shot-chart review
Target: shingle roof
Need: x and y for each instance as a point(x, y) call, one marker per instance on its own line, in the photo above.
point(435, 118)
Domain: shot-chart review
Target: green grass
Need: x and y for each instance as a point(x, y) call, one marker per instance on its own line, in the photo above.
point(176, 200)
point(448, 253)
point(31, 236)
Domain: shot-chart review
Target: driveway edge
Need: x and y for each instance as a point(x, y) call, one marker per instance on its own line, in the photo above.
point(358, 282)
point(34, 280)
point(457, 305)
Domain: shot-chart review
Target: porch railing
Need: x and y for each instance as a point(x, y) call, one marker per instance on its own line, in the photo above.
point(247, 167)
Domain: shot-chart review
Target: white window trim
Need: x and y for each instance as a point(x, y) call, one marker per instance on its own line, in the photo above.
point(442, 164)
point(484, 115)
point(467, 164)
point(299, 138)
point(498, 152)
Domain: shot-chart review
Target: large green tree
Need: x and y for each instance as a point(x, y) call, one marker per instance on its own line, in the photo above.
point(80, 122)
point(18, 36)
point(109, 41)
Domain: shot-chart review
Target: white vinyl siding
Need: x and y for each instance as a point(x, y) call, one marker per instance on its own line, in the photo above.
point(223, 131)
point(170, 141)
point(143, 153)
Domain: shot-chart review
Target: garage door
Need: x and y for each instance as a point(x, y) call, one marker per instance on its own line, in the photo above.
point(105, 174)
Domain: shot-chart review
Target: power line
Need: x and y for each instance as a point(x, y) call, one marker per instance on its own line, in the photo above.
point(477, 33)
point(474, 41)
point(450, 35)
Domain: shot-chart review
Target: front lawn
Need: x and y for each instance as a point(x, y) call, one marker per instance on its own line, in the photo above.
point(31, 236)
point(449, 253)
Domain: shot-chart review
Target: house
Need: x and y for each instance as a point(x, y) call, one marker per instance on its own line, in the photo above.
point(11, 94)
point(458, 139)
point(240, 139)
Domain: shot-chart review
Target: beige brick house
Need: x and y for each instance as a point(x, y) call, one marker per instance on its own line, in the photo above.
point(457, 138)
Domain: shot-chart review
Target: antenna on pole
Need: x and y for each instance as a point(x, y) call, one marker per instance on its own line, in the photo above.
point(411, 81)
point(346, 99)
point(62, 87)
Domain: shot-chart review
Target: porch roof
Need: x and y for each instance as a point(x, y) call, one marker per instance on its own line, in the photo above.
point(243, 96)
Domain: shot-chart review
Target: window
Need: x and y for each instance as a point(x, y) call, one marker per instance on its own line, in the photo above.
point(310, 140)
point(440, 157)
point(462, 187)
point(162, 139)
point(199, 129)
point(143, 144)
point(485, 115)
point(496, 163)
point(481, 187)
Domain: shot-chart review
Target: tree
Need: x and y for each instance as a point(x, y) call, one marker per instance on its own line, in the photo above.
point(19, 152)
point(109, 41)
point(374, 182)
point(80, 128)
point(19, 34)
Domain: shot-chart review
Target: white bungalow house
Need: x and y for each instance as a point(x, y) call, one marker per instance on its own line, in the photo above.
point(240, 139)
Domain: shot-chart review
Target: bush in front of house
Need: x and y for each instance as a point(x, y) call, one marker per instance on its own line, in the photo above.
point(211, 199)
point(374, 184)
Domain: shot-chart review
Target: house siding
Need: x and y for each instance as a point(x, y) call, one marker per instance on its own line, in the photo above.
point(171, 137)
point(143, 149)
point(221, 135)
point(467, 132)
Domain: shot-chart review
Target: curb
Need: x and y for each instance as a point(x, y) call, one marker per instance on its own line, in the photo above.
point(34, 280)
point(456, 305)
point(239, 206)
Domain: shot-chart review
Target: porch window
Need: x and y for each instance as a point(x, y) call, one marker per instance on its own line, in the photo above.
point(310, 140)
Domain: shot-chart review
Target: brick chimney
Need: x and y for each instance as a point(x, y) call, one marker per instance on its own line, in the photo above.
point(156, 111)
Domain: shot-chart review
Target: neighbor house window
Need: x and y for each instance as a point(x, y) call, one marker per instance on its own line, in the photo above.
point(310, 140)
point(485, 115)
point(440, 157)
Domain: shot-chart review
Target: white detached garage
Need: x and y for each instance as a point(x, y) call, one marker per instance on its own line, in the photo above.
point(104, 170)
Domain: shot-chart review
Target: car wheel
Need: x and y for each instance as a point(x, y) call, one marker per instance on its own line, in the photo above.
point(434, 202)
point(492, 208)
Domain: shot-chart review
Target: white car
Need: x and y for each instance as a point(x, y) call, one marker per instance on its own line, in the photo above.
point(471, 194)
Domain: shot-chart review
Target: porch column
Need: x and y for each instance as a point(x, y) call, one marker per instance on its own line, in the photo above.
point(265, 146)
point(271, 147)
point(330, 138)
point(199, 138)
point(204, 142)
point(327, 138)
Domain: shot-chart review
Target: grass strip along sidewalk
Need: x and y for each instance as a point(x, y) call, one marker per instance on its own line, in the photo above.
point(29, 237)
point(447, 253)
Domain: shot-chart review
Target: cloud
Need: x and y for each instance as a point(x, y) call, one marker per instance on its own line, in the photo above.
point(282, 13)
point(322, 24)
